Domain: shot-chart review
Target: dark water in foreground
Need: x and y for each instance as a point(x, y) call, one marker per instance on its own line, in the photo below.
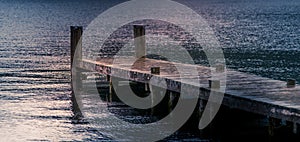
point(257, 37)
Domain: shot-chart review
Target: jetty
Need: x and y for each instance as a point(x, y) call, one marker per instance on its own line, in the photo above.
point(247, 92)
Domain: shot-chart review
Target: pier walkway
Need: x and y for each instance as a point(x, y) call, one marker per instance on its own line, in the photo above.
point(243, 91)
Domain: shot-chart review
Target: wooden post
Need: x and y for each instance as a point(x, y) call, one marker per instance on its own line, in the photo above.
point(147, 88)
point(108, 78)
point(76, 49)
point(76, 43)
point(165, 106)
point(76, 33)
point(155, 70)
point(291, 83)
point(139, 41)
point(140, 48)
point(113, 97)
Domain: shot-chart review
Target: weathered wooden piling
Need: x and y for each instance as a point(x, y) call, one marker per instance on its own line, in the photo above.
point(113, 97)
point(139, 41)
point(76, 55)
point(164, 107)
point(140, 51)
point(291, 83)
point(108, 79)
point(76, 43)
point(76, 49)
point(140, 48)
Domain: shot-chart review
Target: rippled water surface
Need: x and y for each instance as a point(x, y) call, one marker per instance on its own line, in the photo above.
point(257, 37)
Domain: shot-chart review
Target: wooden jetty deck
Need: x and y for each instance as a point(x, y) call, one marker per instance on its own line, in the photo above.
point(243, 91)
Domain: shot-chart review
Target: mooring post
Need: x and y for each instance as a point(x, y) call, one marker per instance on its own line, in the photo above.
point(165, 106)
point(139, 41)
point(76, 55)
point(76, 48)
point(76, 43)
point(140, 48)
point(291, 83)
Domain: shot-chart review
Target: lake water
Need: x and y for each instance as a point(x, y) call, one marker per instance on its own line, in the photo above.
point(257, 37)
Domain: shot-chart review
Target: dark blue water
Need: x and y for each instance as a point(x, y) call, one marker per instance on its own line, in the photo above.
point(257, 37)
